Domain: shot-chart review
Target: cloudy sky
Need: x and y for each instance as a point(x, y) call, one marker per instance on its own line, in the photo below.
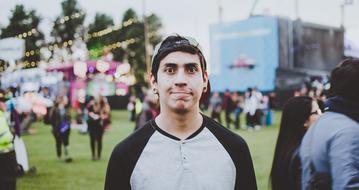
point(193, 17)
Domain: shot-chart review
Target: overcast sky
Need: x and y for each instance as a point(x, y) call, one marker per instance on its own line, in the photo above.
point(193, 17)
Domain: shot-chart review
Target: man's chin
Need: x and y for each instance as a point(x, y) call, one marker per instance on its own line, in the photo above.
point(181, 110)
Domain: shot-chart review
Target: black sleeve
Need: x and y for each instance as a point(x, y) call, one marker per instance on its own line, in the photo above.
point(118, 174)
point(246, 178)
point(124, 158)
point(238, 150)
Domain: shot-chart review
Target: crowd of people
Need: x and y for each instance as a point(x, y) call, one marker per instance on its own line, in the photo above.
point(317, 145)
point(256, 107)
point(93, 115)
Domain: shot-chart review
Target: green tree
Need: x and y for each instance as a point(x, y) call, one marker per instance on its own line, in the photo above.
point(135, 53)
point(69, 24)
point(154, 26)
point(101, 22)
point(21, 22)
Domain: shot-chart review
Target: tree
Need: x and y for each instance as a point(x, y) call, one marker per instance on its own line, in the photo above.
point(135, 53)
point(25, 22)
point(154, 25)
point(101, 22)
point(69, 24)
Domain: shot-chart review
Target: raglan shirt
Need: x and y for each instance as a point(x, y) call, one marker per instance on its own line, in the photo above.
point(212, 158)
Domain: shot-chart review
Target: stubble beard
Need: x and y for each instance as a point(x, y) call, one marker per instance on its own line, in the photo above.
point(181, 111)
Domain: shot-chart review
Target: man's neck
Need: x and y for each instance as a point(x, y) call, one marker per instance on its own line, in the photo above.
point(180, 125)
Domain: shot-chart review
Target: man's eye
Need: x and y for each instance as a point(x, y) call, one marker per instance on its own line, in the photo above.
point(169, 70)
point(192, 69)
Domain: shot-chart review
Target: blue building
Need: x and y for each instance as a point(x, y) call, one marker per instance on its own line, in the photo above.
point(271, 53)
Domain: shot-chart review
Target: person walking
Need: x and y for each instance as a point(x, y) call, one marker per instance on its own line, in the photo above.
point(60, 122)
point(95, 128)
point(215, 107)
point(228, 106)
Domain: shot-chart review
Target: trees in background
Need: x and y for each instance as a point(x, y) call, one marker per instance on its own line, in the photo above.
point(69, 26)
point(24, 24)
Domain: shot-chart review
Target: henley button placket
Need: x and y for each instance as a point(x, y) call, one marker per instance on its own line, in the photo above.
point(184, 156)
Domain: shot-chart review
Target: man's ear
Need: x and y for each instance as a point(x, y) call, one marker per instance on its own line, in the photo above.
point(205, 79)
point(306, 124)
point(153, 81)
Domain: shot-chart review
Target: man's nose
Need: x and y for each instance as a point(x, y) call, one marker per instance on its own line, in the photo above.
point(181, 78)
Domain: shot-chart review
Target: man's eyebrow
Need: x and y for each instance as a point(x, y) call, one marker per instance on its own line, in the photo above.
point(170, 65)
point(192, 64)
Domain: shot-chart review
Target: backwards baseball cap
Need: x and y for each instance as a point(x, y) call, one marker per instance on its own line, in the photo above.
point(178, 43)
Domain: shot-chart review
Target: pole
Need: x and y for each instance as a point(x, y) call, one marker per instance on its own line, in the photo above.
point(145, 29)
point(253, 7)
point(296, 9)
point(220, 12)
point(342, 14)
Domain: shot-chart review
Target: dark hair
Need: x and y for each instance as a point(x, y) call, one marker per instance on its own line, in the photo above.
point(184, 44)
point(344, 79)
point(295, 113)
point(172, 44)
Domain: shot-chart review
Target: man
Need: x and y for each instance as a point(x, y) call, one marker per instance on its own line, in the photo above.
point(8, 162)
point(330, 148)
point(181, 148)
point(228, 106)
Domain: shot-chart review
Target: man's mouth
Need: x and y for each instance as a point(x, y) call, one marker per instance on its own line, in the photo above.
point(181, 92)
point(181, 95)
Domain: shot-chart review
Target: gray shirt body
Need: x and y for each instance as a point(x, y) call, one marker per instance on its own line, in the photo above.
point(212, 158)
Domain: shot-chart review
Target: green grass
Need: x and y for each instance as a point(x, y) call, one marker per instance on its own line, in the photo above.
point(83, 173)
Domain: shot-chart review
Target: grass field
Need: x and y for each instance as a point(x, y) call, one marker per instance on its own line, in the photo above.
point(83, 173)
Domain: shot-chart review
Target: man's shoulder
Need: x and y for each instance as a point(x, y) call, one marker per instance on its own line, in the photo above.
point(137, 140)
point(331, 127)
point(125, 156)
point(336, 122)
point(334, 116)
point(223, 134)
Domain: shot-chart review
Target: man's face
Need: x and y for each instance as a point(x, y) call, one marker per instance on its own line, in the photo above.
point(180, 82)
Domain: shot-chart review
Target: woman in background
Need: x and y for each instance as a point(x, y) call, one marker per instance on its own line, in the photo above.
point(298, 114)
point(60, 122)
point(105, 113)
point(95, 128)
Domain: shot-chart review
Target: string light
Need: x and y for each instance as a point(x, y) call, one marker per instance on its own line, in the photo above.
point(65, 19)
point(111, 29)
point(32, 52)
point(114, 46)
point(100, 33)
point(26, 34)
point(28, 64)
point(62, 20)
